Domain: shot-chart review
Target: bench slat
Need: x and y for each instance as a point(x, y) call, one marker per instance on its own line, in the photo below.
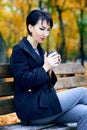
point(70, 82)
point(69, 68)
point(6, 106)
point(7, 89)
point(5, 71)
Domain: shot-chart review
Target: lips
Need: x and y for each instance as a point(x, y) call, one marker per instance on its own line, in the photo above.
point(42, 38)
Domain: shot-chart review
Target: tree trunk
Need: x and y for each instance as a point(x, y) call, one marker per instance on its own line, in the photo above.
point(82, 53)
point(3, 57)
point(62, 49)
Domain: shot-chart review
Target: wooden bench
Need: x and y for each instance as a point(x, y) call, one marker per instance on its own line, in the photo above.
point(70, 75)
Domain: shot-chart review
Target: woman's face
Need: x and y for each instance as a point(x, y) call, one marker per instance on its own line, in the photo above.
point(40, 31)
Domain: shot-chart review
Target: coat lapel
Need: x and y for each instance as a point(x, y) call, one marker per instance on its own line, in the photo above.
point(29, 49)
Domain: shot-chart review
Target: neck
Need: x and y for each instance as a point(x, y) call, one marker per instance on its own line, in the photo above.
point(32, 42)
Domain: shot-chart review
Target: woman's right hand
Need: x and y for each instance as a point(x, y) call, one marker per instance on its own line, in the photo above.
point(51, 61)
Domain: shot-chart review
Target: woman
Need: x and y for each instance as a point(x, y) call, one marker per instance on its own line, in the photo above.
point(36, 101)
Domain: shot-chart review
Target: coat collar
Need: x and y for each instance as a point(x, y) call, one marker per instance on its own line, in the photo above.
point(29, 49)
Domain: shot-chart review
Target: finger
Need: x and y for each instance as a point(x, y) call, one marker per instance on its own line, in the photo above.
point(53, 62)
point(59, 57)
point(53, 57)
point(45, 55)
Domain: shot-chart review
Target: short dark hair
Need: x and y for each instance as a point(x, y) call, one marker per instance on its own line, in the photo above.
point(36, 15)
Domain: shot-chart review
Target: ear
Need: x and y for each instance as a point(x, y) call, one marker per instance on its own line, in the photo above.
point(30, 28)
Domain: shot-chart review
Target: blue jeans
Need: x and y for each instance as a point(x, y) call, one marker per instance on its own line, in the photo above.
point(74, 108)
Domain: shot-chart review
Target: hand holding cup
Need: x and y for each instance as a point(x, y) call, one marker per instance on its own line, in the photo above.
point(51, 60)
point(57, 56)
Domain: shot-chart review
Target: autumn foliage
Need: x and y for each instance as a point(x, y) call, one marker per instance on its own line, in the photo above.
point(13, 26)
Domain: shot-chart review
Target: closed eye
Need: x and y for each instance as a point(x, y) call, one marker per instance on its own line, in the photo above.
point(41, 28)
point(44, 29)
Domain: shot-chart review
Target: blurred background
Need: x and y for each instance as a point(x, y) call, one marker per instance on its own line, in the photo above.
point(68, 35)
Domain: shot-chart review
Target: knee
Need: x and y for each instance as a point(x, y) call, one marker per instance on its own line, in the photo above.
point(82, 90)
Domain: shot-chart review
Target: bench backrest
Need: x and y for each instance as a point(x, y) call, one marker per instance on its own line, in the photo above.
point(69, 75)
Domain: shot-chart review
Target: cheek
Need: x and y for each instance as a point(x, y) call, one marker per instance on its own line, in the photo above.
point(48, 34)
point(36, 35)
point(36, 32)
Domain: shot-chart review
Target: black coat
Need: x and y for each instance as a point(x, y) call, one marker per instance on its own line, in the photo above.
point(35, 97)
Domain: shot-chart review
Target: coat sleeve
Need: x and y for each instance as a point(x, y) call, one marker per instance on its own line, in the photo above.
point(24, 77)
point(53, 79)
